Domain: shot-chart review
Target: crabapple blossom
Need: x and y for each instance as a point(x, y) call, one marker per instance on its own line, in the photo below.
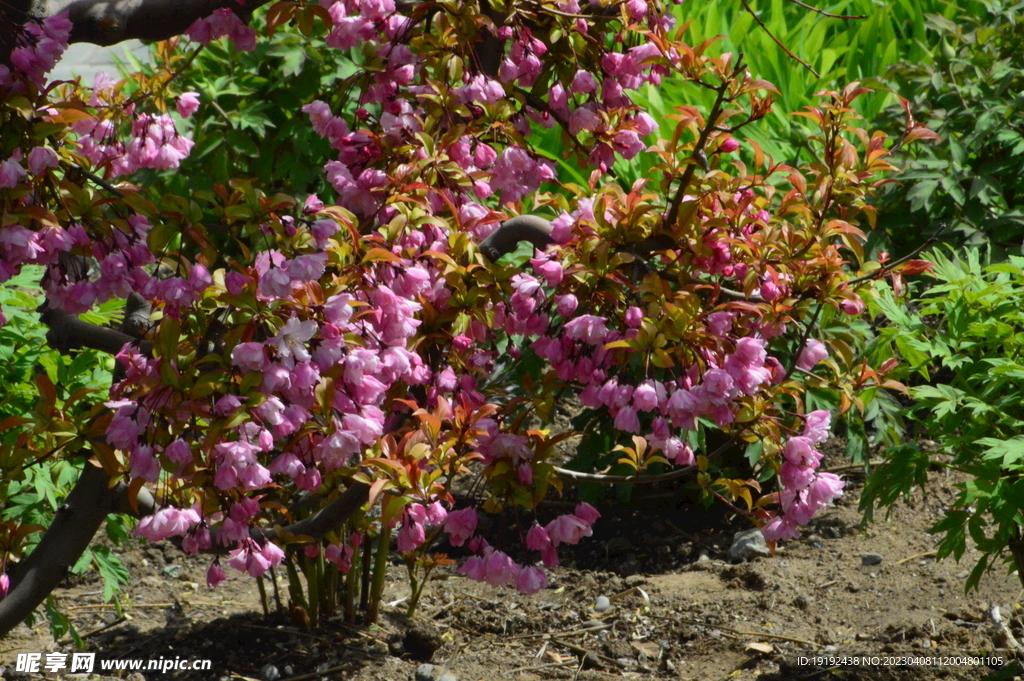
point(814, 351)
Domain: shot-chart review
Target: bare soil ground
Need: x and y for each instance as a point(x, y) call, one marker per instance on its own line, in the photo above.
point(678, 611)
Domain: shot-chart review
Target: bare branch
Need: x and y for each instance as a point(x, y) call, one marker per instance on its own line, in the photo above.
point(531, 228)
point(67, 331)
point(829, 14)
point(778, 42)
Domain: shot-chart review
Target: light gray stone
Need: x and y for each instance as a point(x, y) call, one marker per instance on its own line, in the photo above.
point(870, 559)
point(747, 545)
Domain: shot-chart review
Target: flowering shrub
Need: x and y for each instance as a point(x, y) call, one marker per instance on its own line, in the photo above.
point(314, 371)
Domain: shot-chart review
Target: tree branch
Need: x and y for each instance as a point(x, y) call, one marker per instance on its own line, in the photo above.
point(330, 517)
point(504, 240)
point(67, 331)
point(108, 22)
point(74, 525)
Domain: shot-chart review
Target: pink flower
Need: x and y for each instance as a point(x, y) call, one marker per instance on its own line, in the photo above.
point(817, 425)
point(549, 556)
point(178, 452)
point(143, 464)
point(341, 556)
point(196, 541)
point(5, 584)
point(474, 568)
point(249, 356)
point(550, 269)
point(123, 432)
point(566, 304)
point(411, 535)
point(249, 560)
point(780, 527)
point(587, 513)
point(770, 290)
point(41, 158)
point(188, 102)
point(824, 489)
point(291, 340)
point(679, 451)
point(728, 145)
point(588, 328)
point(800, 451)
point(583, 83)
point(852, 305)
point(794, 476)
point(813, 352)
point(215, 576)
point(537, 538)
point(272, 553)
point(634, 315)
point(567, 529)
point(648, 394)
point(720, 323)
point(460, 525)
point(499, 568)
point(531, 580)
point(627, 421)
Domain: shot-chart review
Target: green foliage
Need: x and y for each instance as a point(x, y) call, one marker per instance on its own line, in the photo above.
point(250, 122)
point(839, 50)
point(970, 92)
point(967, 341)
point(31, 490)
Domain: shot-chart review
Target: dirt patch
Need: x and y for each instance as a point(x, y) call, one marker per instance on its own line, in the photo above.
point(676, 610)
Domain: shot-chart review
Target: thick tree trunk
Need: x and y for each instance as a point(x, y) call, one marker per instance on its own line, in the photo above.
point(108, 22)
point(73, 527)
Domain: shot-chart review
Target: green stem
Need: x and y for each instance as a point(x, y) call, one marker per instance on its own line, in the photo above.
point(364, 594)
point(313, 587)
point(414, 586)
point(277, 592)
point(331, 579)
point(295, 584)
point(263, 597)
point(380, 569)
point(350, 591)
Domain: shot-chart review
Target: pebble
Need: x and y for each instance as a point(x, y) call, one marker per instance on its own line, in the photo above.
point(870, 559)
point(425, 672)
point(635, 580)
point(747, 545)
point(602, 603)
point(269, 672)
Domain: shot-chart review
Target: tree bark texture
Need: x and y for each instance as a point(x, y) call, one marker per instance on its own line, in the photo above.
point(73, 528)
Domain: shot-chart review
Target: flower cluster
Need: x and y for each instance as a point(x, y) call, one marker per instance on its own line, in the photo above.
point(39, 48)
point(807, 490)
point(302, 345)
point(497, 568)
